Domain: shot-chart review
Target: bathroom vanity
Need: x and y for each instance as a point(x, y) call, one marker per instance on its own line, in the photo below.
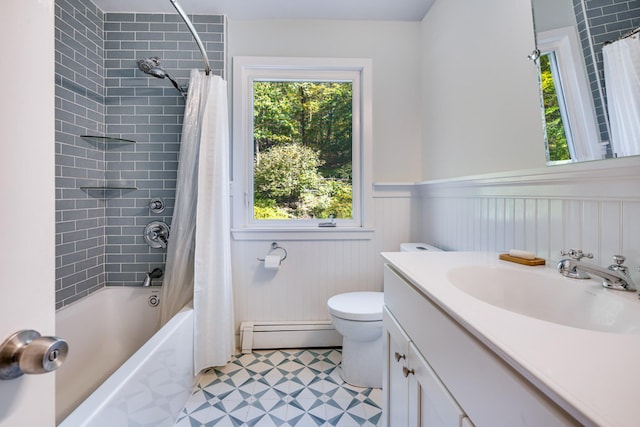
point(474, 341)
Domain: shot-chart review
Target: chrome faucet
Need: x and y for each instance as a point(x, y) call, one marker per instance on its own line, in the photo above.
point(569, 268)
point(616, 276)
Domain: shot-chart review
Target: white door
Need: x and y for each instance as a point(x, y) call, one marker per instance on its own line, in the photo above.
point(27, 198)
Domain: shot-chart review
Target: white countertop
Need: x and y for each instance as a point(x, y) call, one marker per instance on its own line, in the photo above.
point(594, 376)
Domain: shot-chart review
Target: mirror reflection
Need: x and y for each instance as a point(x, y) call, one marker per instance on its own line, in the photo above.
point(590, 78)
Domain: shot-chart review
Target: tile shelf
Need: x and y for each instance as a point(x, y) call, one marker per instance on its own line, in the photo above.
point(107, 139)
point(106, 191)
point(107, 188)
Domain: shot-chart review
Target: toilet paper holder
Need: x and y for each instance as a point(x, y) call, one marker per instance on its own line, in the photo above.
point(274, 246)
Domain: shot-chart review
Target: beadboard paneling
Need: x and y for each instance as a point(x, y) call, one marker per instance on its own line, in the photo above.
point(315, 270)
point(595, 208)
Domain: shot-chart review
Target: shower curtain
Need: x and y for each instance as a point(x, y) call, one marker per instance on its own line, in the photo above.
point(199, 251)
point(622, 82)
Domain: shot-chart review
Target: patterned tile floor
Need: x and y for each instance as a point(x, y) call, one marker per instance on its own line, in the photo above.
point(299, 388)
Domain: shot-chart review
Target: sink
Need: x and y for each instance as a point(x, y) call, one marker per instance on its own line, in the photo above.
point(545, 295)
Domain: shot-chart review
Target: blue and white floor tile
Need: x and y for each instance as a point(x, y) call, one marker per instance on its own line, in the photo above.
point(268, 388)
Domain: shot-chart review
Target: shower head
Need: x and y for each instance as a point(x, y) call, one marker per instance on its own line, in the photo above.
point(152, 67)
point(158, 72)
point(147, 64)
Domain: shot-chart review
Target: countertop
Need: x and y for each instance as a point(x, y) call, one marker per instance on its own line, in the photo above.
point(594, 376)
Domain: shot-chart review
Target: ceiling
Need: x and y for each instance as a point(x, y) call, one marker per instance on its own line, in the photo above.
point(370, 10)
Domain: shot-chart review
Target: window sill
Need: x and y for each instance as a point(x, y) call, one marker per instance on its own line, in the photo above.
point(320, 233)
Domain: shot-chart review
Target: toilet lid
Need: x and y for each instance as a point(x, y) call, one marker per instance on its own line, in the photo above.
point(363, 306)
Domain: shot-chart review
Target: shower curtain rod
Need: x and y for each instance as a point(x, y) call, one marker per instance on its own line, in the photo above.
point(194, 33)
point(624, 36)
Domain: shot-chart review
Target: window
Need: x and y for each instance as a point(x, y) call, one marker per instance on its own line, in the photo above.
point(558, 136)
point(301, 143)
point(568, 104)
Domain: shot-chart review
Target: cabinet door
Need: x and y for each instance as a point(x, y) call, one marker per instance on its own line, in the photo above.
point(395, 385)
point(430, 404)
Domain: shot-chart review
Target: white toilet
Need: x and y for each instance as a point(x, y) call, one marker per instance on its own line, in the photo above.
point(357, 316)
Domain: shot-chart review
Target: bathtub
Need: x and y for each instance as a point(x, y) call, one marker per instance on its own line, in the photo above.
point(119, 372)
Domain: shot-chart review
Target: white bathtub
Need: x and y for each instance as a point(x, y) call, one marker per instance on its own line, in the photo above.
point(139, 378)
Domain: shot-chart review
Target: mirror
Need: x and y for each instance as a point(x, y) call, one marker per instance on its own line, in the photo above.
point(584, 120)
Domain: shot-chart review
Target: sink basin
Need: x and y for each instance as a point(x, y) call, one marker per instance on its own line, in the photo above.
point(545, 295)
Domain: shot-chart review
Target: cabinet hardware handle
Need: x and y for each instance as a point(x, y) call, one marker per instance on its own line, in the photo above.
point(406, 371)
point(399, 356)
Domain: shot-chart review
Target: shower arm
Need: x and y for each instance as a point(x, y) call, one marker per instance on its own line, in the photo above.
point(194, 33)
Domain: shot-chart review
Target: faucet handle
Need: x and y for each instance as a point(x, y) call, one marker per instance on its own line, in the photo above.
point(619, 259)
point(577, 254)
point(618, 266)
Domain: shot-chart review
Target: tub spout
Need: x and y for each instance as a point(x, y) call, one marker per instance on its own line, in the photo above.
point(154, 274)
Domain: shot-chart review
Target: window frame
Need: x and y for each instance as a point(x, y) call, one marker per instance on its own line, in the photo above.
point(578, 103)
point(246, 70)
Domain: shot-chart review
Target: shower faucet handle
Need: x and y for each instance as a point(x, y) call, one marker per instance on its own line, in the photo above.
point(156, 234)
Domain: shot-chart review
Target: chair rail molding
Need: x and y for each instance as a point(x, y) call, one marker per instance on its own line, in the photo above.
point(596, 180)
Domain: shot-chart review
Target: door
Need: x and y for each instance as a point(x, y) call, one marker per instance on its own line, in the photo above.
point(27, 199)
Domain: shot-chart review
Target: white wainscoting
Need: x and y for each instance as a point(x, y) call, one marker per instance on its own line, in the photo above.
point(595, 208)
point(316, 269)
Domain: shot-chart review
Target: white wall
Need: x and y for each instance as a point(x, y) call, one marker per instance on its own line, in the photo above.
point(318, 269)
point(396, 76)
point(480, 116)
point(481, 104)
point(494, 133)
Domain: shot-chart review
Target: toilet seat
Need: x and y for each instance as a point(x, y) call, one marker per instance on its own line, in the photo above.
point(357, 306)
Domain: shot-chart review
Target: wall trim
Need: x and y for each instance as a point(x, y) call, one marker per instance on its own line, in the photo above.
point(318, 233)
point(395, 189)
point(601, 180)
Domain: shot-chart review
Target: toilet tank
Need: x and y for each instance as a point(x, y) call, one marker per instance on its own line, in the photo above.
point(418, 247)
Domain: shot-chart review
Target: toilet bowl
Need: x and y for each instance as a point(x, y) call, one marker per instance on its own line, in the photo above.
point(357, 316)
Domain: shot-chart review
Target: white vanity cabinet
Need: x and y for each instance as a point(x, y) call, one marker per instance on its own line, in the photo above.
point(414, 394)
point(453, 379)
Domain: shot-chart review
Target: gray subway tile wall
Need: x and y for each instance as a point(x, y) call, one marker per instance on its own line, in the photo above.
point(607, 21)
point(100, 91)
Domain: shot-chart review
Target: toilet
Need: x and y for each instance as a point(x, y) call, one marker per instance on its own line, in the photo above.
point(357, 316)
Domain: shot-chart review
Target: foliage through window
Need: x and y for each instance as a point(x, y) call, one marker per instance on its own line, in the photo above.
point(556, 132)
point(301, 144)
point(302, 149)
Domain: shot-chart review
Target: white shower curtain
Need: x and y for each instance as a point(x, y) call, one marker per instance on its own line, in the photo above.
point(199, 252)
point(622, 82)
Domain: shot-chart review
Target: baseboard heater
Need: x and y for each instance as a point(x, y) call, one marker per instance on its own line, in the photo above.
point(297, 334)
